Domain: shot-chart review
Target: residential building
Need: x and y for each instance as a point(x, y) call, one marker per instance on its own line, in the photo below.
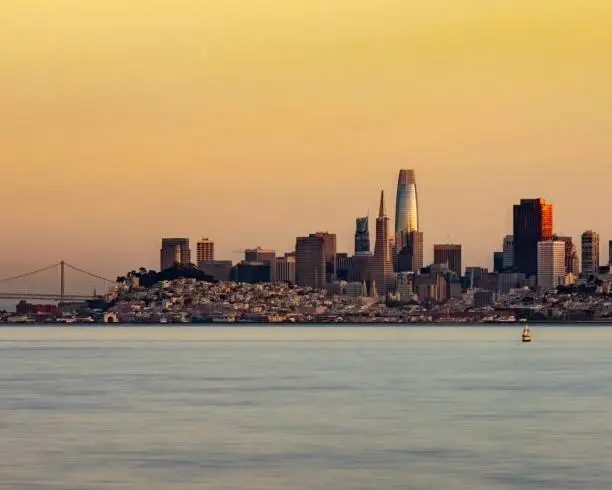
point(551, 264)
point(533, 223)
point(174, 250)
point(449, 255)
point(590, 253)
point(205, 251)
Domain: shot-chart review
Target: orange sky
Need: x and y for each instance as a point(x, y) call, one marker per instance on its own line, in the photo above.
point(251, 122)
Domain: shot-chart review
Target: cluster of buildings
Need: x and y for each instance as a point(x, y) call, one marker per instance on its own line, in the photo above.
point(393, 268)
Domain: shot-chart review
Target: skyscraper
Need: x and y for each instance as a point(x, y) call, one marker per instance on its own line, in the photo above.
point(610, 252)
point(590, 253)
point(174, 250)
point(410, 257)
point(572, 264)
point(382, 269)
point(285, 268)
point(551, 264)
point(362, 235)
point(406, 206)
point(533, 223)
point(498, 261)
point(315, 259)
point(449, 255)
point(508, 250)
point(205, 251)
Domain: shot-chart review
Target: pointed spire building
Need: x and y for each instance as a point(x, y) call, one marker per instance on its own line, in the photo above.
point(382, 270)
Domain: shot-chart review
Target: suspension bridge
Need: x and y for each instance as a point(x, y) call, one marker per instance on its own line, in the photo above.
point(52, 284)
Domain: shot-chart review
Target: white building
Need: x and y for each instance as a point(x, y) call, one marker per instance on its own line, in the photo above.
point(551, 264)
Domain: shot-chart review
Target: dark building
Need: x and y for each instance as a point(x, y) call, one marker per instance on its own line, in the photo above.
point(174, 251)
point(219, 270)
point(449, 255)
point(252, 272)
point(498, 261)
point(267, 256)
point(343, 266)
point(590, 253)
point(362, 235)
point(610, 252)
point(482, 299)
point(410, 257)
point(533, 223)
point(310, 263)
point(572, 263)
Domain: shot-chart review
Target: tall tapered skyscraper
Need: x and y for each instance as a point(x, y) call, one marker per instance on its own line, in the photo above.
point(382, 271)
point(406, 206)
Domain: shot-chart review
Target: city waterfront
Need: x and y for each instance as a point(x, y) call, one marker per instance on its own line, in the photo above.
point(350, 407)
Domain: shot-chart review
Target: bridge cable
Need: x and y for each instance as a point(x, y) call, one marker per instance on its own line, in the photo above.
point(21, 276)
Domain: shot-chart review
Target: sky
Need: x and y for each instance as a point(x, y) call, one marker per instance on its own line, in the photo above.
point(253, 122)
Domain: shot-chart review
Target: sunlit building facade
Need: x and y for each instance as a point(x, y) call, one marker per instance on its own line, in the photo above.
point(551, 264)
point(406, 207)
point(533, 223)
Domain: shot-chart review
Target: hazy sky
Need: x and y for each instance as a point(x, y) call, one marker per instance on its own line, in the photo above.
point(253, 121)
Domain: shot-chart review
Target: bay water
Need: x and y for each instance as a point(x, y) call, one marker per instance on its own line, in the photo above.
point(350, 407)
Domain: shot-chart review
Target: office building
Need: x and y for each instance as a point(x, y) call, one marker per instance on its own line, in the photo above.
point(406, 207)
point(310, 261)
point(219, 270)
point(362, 235)
point(174, 251)
point(343, 266)
point(449, 255)
point(410, 257)
point(252, 272)
point(265, 255)
point(361, 267)
point(205, 251)
point(382, 266)
point(590, 253)
point(572, 263)
point(533, 223)
point(551, 264)
point(498, 261)
point(285, 268)
point(508, 251)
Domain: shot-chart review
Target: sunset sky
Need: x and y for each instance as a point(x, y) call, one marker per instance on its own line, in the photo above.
point(253, 121)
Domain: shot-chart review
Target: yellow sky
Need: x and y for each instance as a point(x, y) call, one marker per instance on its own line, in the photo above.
point(251, 122)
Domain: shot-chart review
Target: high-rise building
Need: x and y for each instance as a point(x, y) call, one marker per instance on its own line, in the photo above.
point(410, 257)
point(498, 261)
point(265, 255)
point(252, 272)
point(508, 251)
point(205, 251)
point(382, 267)
point(362, 235)
point(174, 250)
point(219, 270)
point(533, 223)
point(310, 261)
point(343, 266)
point(610, 252)
point(590, 253)
point(551, 264)
point(572, 263)
point(406, 207)
point(285, 268)
point(450, 255)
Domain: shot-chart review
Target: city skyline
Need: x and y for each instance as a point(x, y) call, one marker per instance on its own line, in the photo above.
point(278, 106)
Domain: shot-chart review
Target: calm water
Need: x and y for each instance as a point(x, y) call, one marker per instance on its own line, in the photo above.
point(305, 408)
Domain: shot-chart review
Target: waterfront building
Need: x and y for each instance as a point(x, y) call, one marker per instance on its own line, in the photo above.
point(508, 251)
point(590, 253)
point(362, 235)
point(533, 223)
point(572, 263)
point(285, 268)
point(219, 270)
point(551, 264)
point(174, 250)
point(410, 256)
point(205, 250)
point(406, 207)
point(382, 267)
point(450, 255)
point(265, 255)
